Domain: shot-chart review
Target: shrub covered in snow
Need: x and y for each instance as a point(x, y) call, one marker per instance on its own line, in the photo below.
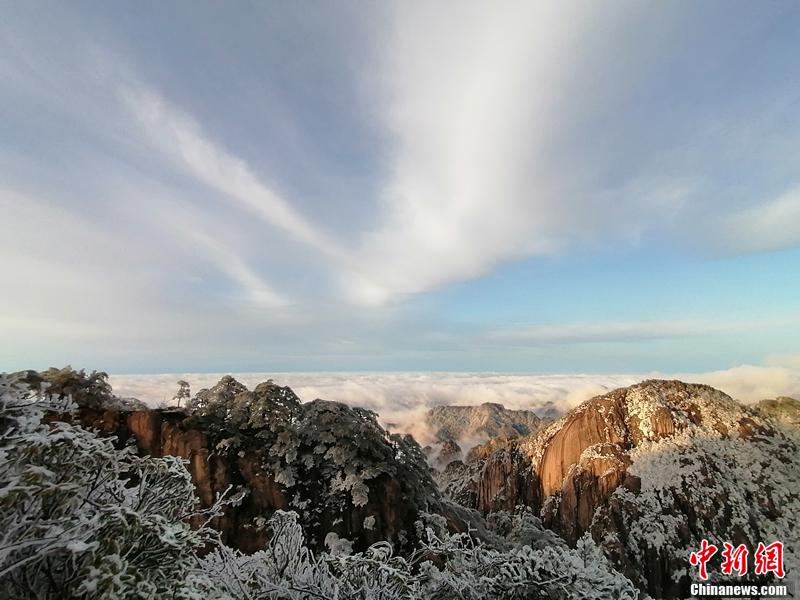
point(86, 390)
point(79, 518)
point(445, 567)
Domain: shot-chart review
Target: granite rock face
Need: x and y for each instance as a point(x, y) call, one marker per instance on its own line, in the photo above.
point(507, 481)
point(588, 484)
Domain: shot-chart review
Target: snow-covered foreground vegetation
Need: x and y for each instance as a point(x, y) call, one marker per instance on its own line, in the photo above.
point(83, 519)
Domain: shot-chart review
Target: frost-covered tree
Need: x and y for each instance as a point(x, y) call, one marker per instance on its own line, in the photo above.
point(330, 459)
point(90, 390)
point(445, 567)
point(475, 571)
point(215, 401)
point(82, 519)
point(740, 489)
point(183, 393)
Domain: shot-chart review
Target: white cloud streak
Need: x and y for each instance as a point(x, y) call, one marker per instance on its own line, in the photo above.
point(474, 101)
point(470, 98)
point(181, 139)
point(259, 292)
point(623, 331)
point(771, 225)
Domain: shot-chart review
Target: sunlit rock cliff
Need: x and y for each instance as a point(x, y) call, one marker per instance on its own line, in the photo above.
point(648, 470)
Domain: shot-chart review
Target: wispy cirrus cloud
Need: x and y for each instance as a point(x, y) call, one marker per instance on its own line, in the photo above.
point(256, 290)
point(181, 139)
point(624, 331)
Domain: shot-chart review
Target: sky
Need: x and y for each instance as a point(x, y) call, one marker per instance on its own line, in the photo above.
point(519, 187)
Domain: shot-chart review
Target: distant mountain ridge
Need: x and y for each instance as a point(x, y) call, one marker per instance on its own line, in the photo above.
point(487, 420)
point(455, 429)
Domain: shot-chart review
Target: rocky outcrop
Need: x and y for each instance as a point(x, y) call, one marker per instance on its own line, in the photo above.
point(622, 419)
point(449, 428)
point(623, 464)
point(603, 421)
point(332, 464)
point(443, 454)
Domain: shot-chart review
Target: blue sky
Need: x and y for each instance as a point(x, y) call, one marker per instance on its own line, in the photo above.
point(513, 186)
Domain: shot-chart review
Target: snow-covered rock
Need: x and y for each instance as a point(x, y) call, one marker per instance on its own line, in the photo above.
point(649, 470)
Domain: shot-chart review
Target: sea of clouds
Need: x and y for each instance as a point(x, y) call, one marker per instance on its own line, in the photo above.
point(402, 398)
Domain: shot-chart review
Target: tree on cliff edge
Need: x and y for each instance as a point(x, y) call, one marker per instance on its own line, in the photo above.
point(183, 392)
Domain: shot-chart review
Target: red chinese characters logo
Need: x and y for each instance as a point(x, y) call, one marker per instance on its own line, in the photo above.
point(702, 556)
point(768, 559)
point(734, 559)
